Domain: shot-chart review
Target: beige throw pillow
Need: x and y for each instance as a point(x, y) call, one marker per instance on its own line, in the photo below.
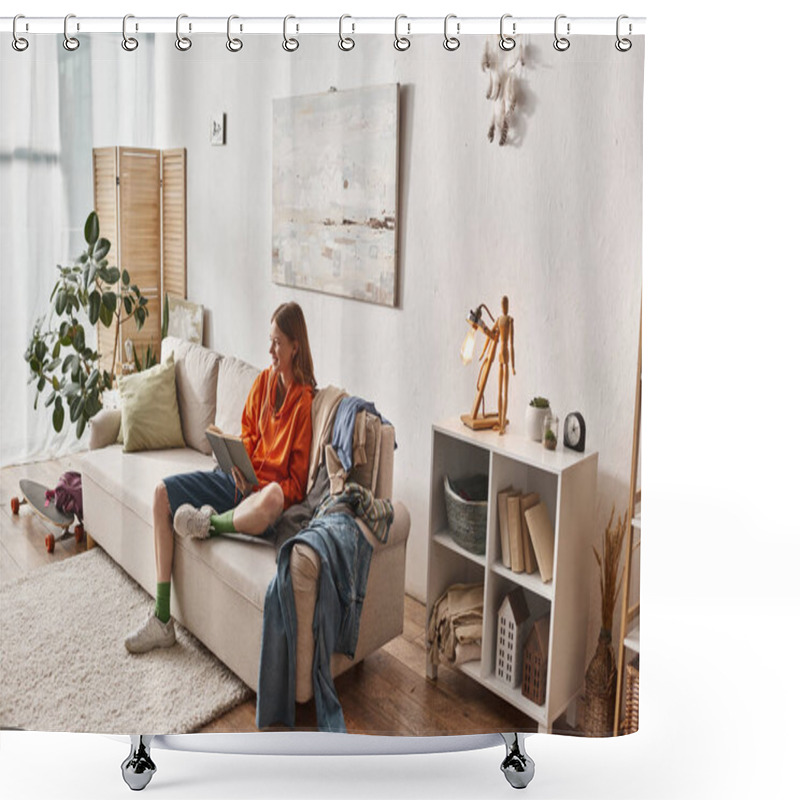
point(150, 416)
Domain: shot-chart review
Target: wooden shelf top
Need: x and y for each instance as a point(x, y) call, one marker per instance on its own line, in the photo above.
point(516, 445)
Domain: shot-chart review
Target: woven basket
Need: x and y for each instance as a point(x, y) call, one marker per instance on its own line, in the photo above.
point(467, 518)
point(631, 722)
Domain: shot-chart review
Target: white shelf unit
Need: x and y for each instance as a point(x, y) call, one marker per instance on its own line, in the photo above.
point(566, 482)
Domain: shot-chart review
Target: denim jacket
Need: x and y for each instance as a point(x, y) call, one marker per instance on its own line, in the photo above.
point(345, 556)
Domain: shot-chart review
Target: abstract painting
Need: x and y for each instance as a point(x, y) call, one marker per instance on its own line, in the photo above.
point(334, 193)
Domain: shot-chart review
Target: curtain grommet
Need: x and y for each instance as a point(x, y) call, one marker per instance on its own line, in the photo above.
point(560, 43)
point(401, 43)
point(451, 43)
point(289, 43)
point(623, 44)
point(507, 42)
point(129, 43)
point(70, 43)
point(182, 43)
point(19, 43)
point(233, 44)
point(346, 43)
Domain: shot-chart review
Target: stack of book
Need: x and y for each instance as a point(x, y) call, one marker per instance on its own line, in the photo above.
point(527, 538)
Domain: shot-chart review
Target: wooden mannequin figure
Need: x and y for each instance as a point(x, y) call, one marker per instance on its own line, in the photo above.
point(504, 327)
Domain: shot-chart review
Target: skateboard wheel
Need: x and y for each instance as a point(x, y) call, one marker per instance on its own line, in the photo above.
point(79, 533)
point(15, 505)
point(50, 542)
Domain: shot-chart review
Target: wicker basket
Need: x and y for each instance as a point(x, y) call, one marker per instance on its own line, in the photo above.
point(631, 722)
point(467, 518)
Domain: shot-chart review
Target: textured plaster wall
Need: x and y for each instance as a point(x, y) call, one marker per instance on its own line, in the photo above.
point(553, 220)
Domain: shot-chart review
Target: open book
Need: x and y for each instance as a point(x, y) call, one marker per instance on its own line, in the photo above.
point(230, 451)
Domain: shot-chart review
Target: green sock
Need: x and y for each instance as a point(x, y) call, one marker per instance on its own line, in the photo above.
point(162, 601)
point(222, 523)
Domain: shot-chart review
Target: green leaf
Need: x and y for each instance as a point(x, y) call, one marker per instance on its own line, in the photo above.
point(101, 251)
point(128, 303)
point(50, 400)
point(142, 301)
point(110, 300)
point(61, 302)
point(136, 362)
point(57, 350)
point(83, 258)
point(91, 229)
point(94, 377)
point(165, 319)
point(113, 275)
point(81, 426)
point(80, 338)
point(106, 316)
point(58, 417)
point(56, 383)
point(94, 307)
point(126, 278)
point(107, 379)
point(42, 383)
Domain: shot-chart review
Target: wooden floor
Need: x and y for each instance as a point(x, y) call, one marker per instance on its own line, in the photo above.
point(387, 693)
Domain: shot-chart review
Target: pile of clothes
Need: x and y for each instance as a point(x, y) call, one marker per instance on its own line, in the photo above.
point(455, 626)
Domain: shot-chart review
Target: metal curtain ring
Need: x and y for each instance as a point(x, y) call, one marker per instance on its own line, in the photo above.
point(70, 42)
point(345, 42)
point(233, 44)
point(183, 43)
point(561, 43)
point(290, 44)
point(401, 42)
point(19, 43)
point(623, 45)
point(128, 42)
point(451, 42)
point(507, 42)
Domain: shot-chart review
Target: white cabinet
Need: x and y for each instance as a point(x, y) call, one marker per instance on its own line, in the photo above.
point(566, 482)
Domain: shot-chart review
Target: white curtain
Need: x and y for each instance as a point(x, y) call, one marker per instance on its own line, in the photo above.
point(57, 105)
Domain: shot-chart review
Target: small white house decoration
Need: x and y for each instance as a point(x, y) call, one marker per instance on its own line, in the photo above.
point(511, 618)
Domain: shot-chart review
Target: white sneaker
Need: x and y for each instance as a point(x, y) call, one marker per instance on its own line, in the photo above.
point(193, 523)
point(154, 633)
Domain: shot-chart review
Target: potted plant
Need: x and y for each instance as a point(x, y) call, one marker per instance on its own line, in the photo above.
point(58, 355)
point(534, 417)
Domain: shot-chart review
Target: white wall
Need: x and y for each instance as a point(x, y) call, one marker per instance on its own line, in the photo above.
point(553, 220)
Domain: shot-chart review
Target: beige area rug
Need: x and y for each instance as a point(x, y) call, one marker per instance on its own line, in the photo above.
point(64, 665)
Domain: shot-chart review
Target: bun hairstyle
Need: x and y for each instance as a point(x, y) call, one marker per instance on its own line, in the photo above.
point(289, 318)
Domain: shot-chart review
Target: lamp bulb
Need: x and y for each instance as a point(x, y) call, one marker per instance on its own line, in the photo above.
point(468, 346)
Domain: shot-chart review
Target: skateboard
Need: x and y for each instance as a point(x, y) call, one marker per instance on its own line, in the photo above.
point(33, 494)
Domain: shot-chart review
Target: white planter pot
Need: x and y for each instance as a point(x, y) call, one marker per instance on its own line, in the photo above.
point(534, 419)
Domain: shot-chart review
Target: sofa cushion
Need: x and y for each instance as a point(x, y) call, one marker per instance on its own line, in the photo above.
point(235, 378)
point(196, 378)
point(150, 417)
point(133, 477)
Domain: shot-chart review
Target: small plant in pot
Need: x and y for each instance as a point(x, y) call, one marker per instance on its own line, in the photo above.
point(550, 430)
point(534, 417)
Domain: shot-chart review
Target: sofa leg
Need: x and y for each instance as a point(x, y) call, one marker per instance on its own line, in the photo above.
point(518, 766)
point(138, 768)
point(90, 543)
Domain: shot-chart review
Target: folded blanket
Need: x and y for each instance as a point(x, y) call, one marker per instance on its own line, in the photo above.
point(377, 514)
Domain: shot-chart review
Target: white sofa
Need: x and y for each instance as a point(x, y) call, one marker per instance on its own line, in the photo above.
point(219, 584)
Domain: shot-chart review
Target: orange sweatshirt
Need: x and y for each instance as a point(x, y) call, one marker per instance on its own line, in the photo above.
point(279, 443)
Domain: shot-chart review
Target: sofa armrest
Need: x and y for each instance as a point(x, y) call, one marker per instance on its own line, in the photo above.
point(104, 428)
point(304, 567)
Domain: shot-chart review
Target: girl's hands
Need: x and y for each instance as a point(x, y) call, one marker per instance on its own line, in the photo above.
point(241, 482)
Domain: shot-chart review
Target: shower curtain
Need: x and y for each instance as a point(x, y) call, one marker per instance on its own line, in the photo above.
point(403, 198)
